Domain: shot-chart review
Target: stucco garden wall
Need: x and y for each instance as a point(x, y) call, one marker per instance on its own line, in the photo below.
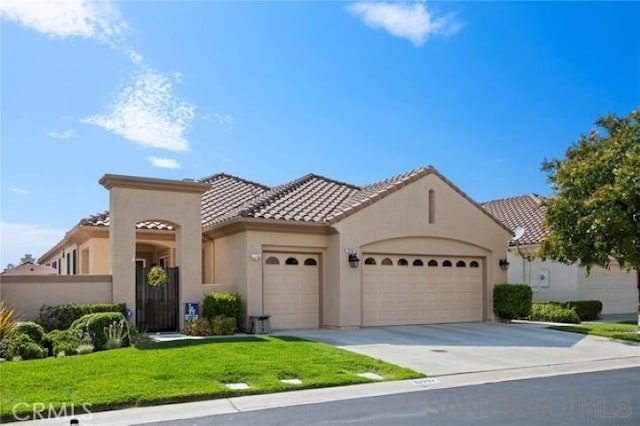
point(26, 294)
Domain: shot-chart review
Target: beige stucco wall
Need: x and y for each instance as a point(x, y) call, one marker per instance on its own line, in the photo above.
point(99, 256)
point(399, 223)
point(614, 287)
point(562, 282)
point(27, 294)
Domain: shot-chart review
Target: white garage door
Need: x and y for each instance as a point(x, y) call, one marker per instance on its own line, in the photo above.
point(291, 290)
point(401, 290)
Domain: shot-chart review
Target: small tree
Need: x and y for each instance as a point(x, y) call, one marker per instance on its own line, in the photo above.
point(594, 213)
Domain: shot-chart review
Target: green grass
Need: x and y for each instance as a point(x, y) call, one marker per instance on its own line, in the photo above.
point(185, 370)
point(624, 330)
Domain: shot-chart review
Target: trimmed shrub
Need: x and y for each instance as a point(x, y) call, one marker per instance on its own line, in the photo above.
point(223, 325)
point(512, 301)
point(199, 327)
point(553, 312)
point(62, 341)
point(587, 310)
point(223, 303)
point(97, 326)
point(22, 346)
point(61, 317)
point(31, 329)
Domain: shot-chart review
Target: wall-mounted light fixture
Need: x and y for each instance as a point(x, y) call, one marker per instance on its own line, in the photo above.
point(352, 257)
point(256, 256)
point(504, 264)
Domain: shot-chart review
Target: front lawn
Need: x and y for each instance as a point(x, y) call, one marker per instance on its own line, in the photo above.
point(184, 370)
point(625, 330)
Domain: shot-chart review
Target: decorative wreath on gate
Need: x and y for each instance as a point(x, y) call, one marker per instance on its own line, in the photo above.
point(157, 276)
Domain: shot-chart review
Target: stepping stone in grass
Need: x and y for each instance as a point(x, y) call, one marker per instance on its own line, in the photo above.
point(372, 376)
point(237, 386)
point(292, 381)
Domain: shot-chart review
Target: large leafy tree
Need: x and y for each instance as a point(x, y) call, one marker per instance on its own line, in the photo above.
point(594, 214)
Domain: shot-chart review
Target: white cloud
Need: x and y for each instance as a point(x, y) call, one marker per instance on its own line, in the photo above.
point(221, 120)
point(147, 113)
point(164, 163)
point(63, 134)
point(16, 239)
point(18, 191)
point(407, 20)
point(67, 18)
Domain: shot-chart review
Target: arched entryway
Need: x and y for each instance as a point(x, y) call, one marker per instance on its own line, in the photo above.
point(135, 200)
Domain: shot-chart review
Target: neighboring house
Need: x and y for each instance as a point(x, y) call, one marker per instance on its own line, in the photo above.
point(615, 287)
point(314, 252)
point(28, 266)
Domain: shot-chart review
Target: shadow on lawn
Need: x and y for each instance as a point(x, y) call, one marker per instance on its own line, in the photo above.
point(197, 342)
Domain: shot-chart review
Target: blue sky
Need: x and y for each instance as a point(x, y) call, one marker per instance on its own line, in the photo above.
point(270, 91)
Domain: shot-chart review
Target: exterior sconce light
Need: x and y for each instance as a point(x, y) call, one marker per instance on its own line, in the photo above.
point(504, 264)
point(256, 256)
point(353, 260)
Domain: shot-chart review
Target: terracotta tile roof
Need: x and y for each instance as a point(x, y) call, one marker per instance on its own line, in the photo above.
point(525, 211)
point(103, 219)
point(310, 198)
point(227, 197)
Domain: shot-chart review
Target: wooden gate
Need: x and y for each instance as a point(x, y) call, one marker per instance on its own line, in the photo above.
point(157, 307)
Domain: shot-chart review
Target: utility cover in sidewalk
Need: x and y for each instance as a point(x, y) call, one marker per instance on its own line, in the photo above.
point(426, 382)
point(292, 381)
point(237, 386)
point(372, 376)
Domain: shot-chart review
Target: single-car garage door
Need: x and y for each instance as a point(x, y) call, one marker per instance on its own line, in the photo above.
point(401, 290)
point(291, 290)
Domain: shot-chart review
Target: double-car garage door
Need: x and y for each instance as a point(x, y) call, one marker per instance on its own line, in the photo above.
point(401, 290)
point(396, 289)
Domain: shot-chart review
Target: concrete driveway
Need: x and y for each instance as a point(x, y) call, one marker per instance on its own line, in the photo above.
point(438, 350)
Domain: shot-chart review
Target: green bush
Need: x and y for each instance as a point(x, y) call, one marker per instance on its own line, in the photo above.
point(97, 326)
point(553, 312)
point(587, 310)
point(31, 329)
point(61, 317)
point(199, 327)
point(512, 301)
point(63, 341)
point(223, 303)
point(22, 346)
point(221, 325)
